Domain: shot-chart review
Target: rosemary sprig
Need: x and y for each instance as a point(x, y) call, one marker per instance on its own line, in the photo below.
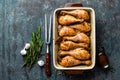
point(33, 53)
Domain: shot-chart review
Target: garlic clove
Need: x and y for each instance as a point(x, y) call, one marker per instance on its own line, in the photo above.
point(41, 63)
point(106, 66)
point(27, 46)
point(23, 52)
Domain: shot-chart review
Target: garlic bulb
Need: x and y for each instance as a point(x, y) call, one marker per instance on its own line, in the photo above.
point(41, 63)
point(27, 46)
point(23, 52)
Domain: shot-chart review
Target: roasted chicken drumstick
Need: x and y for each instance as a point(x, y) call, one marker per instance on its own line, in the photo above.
point(67, 45)
point(68, 19)
point(81, 14)
point(80, 37)
point(78, 53)
point(69, 61)
point(83, 27)
point(67, 31)
point(73, 38)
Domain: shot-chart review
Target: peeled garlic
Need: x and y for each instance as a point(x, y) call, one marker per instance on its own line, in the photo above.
point(27, 46)
point(41, 63)
point(23, 52)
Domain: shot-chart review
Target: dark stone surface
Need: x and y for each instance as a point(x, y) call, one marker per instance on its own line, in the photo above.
point(18, 18)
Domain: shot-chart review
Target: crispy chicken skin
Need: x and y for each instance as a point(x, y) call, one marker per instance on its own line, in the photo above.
point(67, 31)
point(78, 53)
point(73, 38)
point(68, 19)
point(83, 27)
point(80, 37)
point(69, 61)
point(81, 14)
point(68, 45)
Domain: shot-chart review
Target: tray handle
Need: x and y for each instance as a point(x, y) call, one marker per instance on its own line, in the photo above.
point(73, 5)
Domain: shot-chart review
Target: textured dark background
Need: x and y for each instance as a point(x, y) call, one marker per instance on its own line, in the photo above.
point(18, 18)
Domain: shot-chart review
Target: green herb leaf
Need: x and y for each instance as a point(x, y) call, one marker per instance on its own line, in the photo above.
point(36, 44)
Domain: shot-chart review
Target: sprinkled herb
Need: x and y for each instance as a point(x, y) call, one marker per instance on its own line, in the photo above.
point(34, 52)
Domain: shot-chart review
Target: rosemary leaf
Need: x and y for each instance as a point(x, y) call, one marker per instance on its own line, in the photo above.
point(34, 52)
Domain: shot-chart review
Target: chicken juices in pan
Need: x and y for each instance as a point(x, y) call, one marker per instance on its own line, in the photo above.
point(74, 47)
